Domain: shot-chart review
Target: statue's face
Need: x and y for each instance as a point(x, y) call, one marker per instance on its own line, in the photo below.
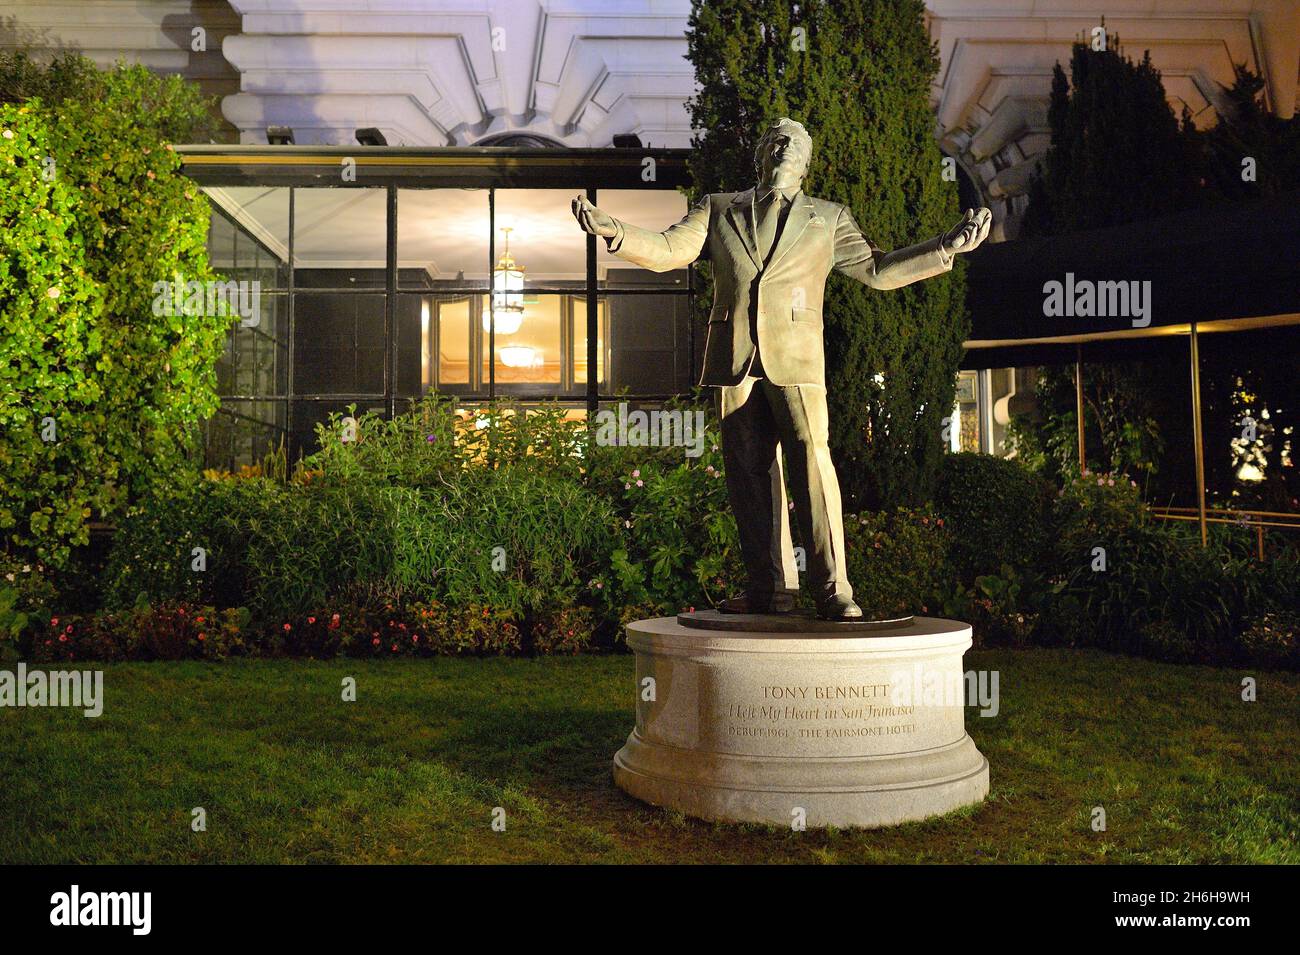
point(783, 159)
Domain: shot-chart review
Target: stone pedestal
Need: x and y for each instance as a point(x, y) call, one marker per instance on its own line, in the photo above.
point(858, 728)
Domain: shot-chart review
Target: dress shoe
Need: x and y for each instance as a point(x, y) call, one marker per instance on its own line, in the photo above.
point(779, 602)
point(838, 608)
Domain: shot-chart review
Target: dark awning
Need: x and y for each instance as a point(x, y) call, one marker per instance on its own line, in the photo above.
point(1226, 266)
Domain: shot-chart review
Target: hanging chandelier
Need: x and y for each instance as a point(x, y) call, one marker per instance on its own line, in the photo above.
point(507, 293)
point(520, 356)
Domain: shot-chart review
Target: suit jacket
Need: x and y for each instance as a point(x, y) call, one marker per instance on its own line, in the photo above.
point(780, 300)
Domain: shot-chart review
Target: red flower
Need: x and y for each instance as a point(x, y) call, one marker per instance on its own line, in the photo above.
point(415, 638)
point(375, 641)
point(198, 620)
point(394, 648)
point(202, 637)
point(287, 628)
point(54, 621)
point(63, 638)
point(334, 621)
point(311, 619)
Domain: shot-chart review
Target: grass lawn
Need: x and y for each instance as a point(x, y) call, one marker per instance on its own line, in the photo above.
point(1186, 771)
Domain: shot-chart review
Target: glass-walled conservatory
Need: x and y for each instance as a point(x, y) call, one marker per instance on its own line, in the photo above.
point(387, 274)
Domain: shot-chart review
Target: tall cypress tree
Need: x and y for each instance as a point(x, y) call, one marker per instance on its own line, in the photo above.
point(1118, 153)
point(857, 73)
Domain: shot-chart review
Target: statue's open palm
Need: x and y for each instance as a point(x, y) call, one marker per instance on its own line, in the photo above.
point(592, 219)
point(970, 232)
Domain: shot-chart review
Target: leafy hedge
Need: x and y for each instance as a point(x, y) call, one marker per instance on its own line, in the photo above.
point(996, 510)
point(516, 533)
point(93, 212)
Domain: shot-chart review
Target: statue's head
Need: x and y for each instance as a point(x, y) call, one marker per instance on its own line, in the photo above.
point(783, 153)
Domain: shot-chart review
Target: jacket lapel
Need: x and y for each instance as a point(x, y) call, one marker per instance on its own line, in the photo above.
point(741, 214)
point(796, 220)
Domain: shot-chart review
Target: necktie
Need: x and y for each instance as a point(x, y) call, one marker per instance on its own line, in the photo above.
point(769, 217)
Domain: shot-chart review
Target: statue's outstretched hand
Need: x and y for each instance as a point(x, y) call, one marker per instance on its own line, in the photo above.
point(592, 219)
point(969, 233)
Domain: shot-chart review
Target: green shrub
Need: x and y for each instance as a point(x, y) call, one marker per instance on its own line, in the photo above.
point(897, 561)
point(153, 557)
point(996, 511)
point(1273, 639)
point(55, 470)
point(1146, 586)
point(679, 546)
point(85, 238)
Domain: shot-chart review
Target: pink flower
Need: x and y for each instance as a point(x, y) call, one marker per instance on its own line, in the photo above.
point(640, 483)
point(375, 641)
point(287, 628)
point(636, 473)
point(309, 620)
point(202, 637)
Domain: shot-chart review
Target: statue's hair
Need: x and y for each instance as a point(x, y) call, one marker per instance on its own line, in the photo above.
point(792, 128)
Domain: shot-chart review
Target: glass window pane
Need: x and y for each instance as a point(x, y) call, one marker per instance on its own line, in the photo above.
point(544, 239)
point(434, 342)
point(532, 353)
point(243, 432)
point(453, 328)
point(655, 209)
point(339, 346)
point(442, 238)
point(256, 359)
point(340, 238)
point(260, 215)
point(580, 341)
point(650, 344)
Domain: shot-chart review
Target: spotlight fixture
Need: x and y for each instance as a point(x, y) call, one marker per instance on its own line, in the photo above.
point(371, 136)
point(279, 135)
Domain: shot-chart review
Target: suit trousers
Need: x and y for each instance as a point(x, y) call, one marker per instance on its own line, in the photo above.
point(758, 419)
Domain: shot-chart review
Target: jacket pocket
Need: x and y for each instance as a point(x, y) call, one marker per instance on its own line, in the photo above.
point(719, 315)
point(807, 316)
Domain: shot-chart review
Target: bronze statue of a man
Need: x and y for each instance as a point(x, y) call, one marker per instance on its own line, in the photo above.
point(771, 248)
